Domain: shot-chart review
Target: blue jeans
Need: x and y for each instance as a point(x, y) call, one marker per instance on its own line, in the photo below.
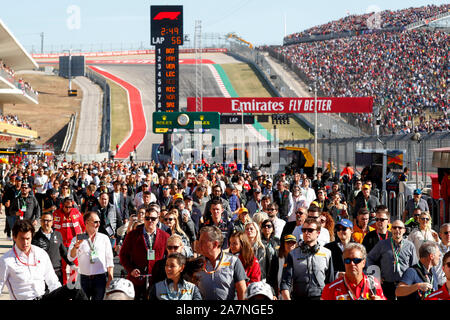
point(94, 286)
point(11, 221)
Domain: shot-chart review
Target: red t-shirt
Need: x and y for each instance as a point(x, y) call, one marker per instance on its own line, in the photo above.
point(441, 294)
point(253, 272)
point(338, 290)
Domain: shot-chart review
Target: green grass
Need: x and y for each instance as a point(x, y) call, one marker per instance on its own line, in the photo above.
point(244, 80)
point(120, 114)
point(246, 83)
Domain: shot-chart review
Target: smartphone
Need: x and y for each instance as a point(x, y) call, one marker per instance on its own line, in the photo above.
point(82, 236)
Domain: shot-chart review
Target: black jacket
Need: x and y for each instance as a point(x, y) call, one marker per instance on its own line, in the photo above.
point(336, 254)
point(54, 247)
point(29, 204)
point(283, 203)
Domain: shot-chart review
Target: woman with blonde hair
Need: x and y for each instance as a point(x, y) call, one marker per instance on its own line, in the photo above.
point(171, 219)
point(254, 235)
point(424, 233)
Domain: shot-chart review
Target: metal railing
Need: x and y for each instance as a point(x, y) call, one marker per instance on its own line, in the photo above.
point(342, 150)
point(69, 133)
point(105, 138)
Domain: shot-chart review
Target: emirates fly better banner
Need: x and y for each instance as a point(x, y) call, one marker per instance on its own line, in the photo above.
point(284, 105)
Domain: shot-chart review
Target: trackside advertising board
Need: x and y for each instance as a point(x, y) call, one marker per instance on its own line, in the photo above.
point(284, 105)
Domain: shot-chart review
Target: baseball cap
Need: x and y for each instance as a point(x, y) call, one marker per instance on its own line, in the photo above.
point(178, 196)
point(242, 210)
point(120, 285)
point(345, 223)
point(366, 186)
point(417, 191)
point(289, 237)
point(259, 288)
point(231, 186)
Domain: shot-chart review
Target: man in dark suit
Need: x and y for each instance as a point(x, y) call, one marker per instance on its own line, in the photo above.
point(282, 197)
point(51, 241)
point(141, 249)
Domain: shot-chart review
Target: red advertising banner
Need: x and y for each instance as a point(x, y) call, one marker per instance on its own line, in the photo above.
point(284, 105)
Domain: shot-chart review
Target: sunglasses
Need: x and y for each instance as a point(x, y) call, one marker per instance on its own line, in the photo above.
point(448, 264)
point(354, 260)
point(169, 219)
point(165, 188)
point(309, 230)
point(381, 219)
point(425, 219)
point(446, 232)
point(267, 226)
point(172, 247)
point(397, 228)
point(148, 218)
point(313, 217)
point(47, 220)
point(96, 221)
point(341, 229)
point(68, 207)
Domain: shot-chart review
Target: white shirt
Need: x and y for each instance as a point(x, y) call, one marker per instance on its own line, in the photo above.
point(309, 194)
point(138, 201)
point(279, 225)
point(26, 276)
point(41, 180)
point(104, 258)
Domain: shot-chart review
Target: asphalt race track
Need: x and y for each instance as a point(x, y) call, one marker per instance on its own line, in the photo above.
point(143, 78)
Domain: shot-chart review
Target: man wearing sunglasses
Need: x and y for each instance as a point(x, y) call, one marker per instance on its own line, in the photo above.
point(421, 279)
point(354, 285)
point(52, 242)
point(308, 268)
point(443, 292)
point(413, 223)
point(69, 222)
point(394, 256)
point(381, 229)
point(26, 206)
point(141, 249)
point(416, 202)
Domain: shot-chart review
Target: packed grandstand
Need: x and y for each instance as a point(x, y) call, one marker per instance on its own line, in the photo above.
point(406, 71)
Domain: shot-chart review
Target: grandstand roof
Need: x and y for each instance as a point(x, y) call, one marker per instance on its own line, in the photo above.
point(13, 53)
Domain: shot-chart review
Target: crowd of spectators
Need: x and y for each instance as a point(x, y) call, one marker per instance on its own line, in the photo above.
point(406, 72)
point(14, 120)
point(211, 232)
point(387, 18)
point(20, 83)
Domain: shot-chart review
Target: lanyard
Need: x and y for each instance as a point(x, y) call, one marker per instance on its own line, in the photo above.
point(427, 278)
point(216, 268)
point(26, 264)
point(396, 253)
point(350, 292)
point(147, 239)
point(379, 237)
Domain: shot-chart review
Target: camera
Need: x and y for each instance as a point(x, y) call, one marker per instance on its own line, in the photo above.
point(82, 236)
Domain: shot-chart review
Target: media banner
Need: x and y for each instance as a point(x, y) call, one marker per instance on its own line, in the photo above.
point(284, 105)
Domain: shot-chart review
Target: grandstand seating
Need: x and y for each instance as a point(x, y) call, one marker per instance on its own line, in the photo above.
point(406, 71)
